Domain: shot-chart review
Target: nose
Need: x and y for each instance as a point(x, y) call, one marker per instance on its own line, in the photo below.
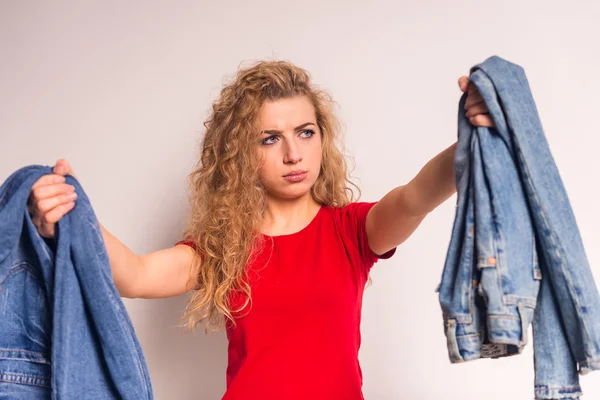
point(292, 153)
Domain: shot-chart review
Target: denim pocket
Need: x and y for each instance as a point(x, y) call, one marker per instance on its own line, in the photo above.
point(25, 328)
point(8, 391)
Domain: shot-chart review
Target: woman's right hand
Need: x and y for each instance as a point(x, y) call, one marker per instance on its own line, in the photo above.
point(51, 198)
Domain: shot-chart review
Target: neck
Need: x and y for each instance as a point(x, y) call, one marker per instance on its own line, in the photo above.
point(285, 216)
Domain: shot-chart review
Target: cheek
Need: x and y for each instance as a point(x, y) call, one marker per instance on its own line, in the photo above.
point(317, 155)
point(267, 169)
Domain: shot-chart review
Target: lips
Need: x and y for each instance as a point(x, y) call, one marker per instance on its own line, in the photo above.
point(295, 176)
point(295, 173)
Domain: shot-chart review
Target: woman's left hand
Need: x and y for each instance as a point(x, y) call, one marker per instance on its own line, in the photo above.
point(477, 111)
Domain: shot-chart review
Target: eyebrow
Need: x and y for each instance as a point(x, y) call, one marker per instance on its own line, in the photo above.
point(299, 127)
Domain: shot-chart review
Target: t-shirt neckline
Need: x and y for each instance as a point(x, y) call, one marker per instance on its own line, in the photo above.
point(288, 235)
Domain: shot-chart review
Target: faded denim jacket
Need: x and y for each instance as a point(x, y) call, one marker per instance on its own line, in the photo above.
point(64, 331)
point(516, 256)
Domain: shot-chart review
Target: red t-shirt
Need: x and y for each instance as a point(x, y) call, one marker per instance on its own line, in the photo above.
point(301, 337)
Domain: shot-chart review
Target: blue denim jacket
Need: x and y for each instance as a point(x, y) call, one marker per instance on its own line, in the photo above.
point(64, 331)
point(513, 226)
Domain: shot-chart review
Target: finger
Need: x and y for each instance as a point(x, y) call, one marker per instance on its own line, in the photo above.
point(44, 192)
point(473, 99)
point(46, 205)
point(62, 161)
point(54, 215)
point(479, 108)
point(49, 179)
point(37, 221)
point(473, 89)
point(463, 83)
point(46, 231)
point(62, 164)
point(63, 167)
point(482, 120)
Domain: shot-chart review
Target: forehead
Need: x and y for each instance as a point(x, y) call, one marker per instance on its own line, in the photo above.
point(286, 113)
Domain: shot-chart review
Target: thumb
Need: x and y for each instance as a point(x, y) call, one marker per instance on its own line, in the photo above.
point(63, 168)
point(463, 83)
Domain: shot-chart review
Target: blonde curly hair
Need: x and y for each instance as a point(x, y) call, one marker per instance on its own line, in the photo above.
point(226, 198)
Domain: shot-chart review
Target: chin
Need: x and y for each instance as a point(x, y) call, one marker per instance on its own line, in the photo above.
point(293, 191)
point(293, 194)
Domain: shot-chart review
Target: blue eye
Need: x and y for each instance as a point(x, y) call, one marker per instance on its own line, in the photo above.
point(269, 140)
point(310, 132)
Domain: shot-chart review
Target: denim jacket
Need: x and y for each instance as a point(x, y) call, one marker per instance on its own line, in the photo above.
point(516, 256)
point(64, 331)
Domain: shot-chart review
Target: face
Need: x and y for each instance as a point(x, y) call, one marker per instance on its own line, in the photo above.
point(290, 147)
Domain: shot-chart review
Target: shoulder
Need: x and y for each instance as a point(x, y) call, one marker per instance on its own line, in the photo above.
point(350, 219)
point(352, 211)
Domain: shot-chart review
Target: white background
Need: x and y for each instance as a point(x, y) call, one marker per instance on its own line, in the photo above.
point(120, 89)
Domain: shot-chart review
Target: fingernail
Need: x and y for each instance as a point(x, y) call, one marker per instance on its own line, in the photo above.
point(72, 196)
point(59, 179)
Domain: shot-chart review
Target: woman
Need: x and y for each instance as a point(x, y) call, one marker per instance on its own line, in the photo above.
point(276, 246)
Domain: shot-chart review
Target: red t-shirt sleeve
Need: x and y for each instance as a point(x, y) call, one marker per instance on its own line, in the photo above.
point(191, 244)
point(353, 221)
point(187, 243)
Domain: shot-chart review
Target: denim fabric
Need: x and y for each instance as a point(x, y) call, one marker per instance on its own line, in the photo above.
point(516, 257)
point(64, 331)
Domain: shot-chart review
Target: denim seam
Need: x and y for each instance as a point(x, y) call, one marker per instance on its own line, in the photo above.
point(124, 322)
point(482, 265)
point(461, 318)
point(23, 351)
point(589, 364)
point(507, 341)
point(497, 238)
point(555, 392)
point(137, 356)
point(470, 300)
point(27, 360)
point(520, 300)
point(591, 360)
point(547, 389)
point(120, 311)
point(468, 336)
point(21, 379)
point(524, 325)
point(23, 265)
point(505, 317)
point(558, 250)
point(20, 355)
point(456, 357)
point(575, 395)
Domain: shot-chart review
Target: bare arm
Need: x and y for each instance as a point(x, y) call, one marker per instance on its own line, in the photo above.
point(162, 273)
point(398, 214)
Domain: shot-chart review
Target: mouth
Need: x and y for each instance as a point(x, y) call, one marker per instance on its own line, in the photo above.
point(295, 173)
point(295, 176)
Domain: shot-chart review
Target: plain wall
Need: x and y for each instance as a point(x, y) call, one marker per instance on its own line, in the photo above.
point(120, 89)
